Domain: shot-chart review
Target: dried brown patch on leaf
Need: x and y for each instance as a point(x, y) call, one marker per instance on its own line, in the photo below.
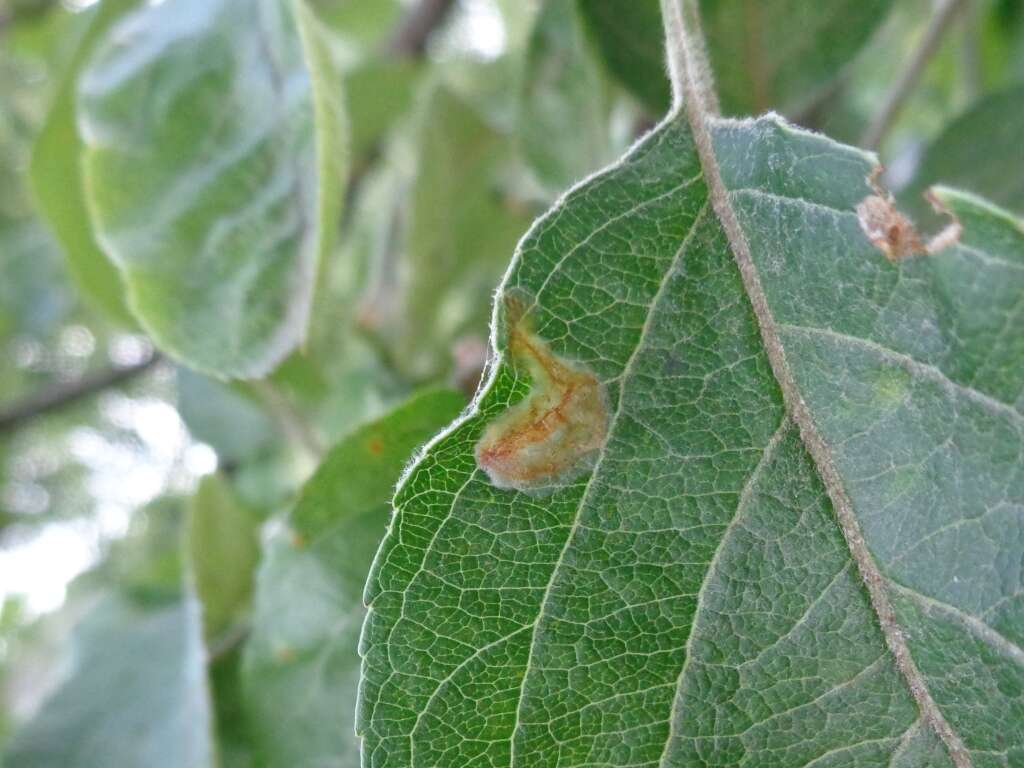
point(893, 233)
point(556, 430)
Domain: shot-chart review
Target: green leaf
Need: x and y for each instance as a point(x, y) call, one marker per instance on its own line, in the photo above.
point(794, 441)
point(135, 696)
point(56, 177)
point(779, 55)
point(977, 150)
point(216, 414)
point(301, 667)
point(213, 167)
point(564, 115)
point(630, 40)
point(782, 55)
point(377, 93)
point(222, 540)
point(460, 229)
point(360, 26)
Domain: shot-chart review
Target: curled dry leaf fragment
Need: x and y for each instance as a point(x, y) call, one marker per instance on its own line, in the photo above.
point(893, 233)
point(552, 433)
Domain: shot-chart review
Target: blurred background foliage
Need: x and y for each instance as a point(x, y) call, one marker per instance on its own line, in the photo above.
point(236, 295)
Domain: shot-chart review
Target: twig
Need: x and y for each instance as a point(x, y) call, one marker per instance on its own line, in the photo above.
point(411, 36)
point(18, 414)
point(944, 13)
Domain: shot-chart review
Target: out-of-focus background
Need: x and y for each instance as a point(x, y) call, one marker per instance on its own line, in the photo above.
point(144, 457)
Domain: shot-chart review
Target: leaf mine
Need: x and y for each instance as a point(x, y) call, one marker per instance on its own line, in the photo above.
point(893, 233)
point(555, 431)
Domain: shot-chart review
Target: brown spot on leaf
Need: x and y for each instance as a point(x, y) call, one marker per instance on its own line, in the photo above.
point(375, 446)
point(561, 423)
point(893, 233)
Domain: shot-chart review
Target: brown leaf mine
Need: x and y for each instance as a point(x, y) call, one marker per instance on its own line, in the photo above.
point(892, 232)
point(553, 432)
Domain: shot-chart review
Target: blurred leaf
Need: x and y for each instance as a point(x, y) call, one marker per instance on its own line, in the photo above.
point(223, 545)
point(360, 26)
point(213, 166)
point(147, 564)
point(1001, 45)
point(56, 177)
point(377, 93)
point(135, 696)
point(630, 38)
point(234, 734)
point(778, 55)
point(216, 414)
point(981, 151)
point(301, 667)
point(565, 112)
point(644, 561)
point(457, 240)
point(782, 54)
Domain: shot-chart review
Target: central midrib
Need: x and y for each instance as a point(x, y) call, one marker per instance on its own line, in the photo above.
point(686, 63)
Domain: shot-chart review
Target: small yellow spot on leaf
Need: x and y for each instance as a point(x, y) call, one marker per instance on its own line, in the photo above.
point(892, 386)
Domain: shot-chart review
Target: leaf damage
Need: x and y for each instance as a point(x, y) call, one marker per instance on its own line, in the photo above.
point(893, 233)
point(555, 431)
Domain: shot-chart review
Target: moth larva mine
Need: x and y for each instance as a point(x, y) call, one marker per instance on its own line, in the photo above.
point(561, 423)
point(893, 233)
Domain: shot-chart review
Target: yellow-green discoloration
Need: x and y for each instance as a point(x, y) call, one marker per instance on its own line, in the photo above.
point(556, 428)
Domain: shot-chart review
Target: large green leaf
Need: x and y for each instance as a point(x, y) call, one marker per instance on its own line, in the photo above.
point(301, 667)
point(629, 38)
point(564, 120)
point(980, 151)
point(777, 54)
point(781, 54)
point(135, 697)
point(213, 167)
point(57, 179)
point(764, 504)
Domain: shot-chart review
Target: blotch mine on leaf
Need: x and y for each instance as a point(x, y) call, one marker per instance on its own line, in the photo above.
point(892, 232)
point(555, 431)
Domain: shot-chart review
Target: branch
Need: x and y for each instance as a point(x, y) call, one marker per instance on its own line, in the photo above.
point(944, 13)
point(18, 414)
point(411, 36)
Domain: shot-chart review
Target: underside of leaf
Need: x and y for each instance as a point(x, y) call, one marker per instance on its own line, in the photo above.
point(692, 599)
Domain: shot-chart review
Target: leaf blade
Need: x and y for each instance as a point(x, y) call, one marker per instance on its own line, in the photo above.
point(584, 624)
point(300, 667)
point(228, 176)
point(55, 155)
